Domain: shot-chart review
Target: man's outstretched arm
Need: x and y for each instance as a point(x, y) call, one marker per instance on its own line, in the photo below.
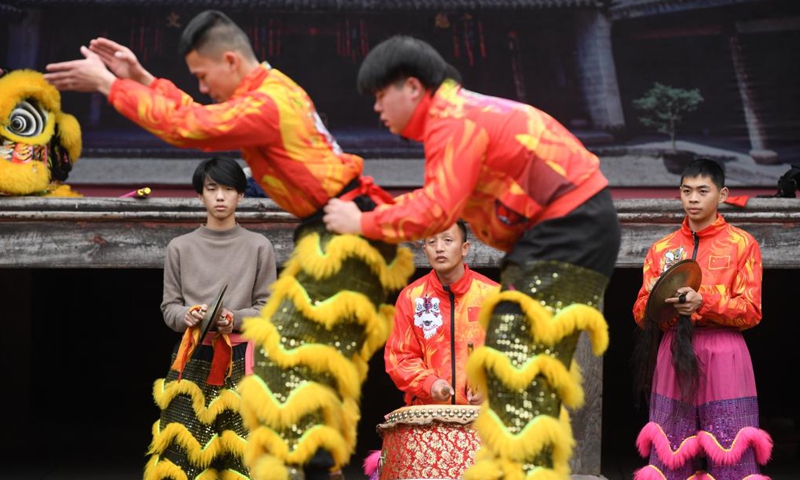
point(86, 75)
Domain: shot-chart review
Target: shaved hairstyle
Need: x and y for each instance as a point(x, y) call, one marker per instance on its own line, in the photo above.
point(211, 33)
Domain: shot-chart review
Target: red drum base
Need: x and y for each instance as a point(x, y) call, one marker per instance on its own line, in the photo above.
point(428, 442)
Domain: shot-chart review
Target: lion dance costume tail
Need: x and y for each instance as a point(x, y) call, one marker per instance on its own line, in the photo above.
point(313, 340)
point(200, 434)
point(527, 369)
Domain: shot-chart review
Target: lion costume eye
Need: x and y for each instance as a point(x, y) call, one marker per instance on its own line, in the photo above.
point(26, 120)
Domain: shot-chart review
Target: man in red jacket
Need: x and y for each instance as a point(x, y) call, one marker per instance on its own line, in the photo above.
point(529, 188)
point(327, 313)
point(436, 325)
point(706, 427)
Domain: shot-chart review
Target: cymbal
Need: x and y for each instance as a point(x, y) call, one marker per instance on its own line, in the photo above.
point(212, 313)
point(685, 273)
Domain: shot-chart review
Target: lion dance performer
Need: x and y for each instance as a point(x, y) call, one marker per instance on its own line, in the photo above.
point(326, 315)
point(530, 188)
point(38, 142)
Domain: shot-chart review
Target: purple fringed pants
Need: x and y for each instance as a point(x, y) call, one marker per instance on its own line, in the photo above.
point(717, 436)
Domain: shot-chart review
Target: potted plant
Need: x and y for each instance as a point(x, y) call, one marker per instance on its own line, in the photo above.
point(663, 107)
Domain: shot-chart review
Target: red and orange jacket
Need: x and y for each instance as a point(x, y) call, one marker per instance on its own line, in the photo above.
point(500, 165)
point(269, 118)
point(433, 329)
point(730, 260)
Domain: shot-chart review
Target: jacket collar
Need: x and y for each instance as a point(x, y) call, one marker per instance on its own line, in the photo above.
point(415, 129)
point(718, 225)
point(460, 287)
point(253, 80)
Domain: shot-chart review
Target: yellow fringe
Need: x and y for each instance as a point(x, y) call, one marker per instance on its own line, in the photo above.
point(318, 357)
point(267, 453)
point(269, 468)
point(542, 431)
point(24, 178)
point(164, 393)
point(484, 470)
point(158, 469)
point(200, 455)
point(343, 307)
point(302, 401)
point(69, 135)
point(497, 468)
point(567, 383)
point(232, 475)
point(62, 190)
point(263, 440)
point(310, 258)
point(549, 329)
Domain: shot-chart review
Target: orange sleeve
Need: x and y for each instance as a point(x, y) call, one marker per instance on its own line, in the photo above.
point(171, 115)
point(454, 154)
point(403, 355)
point(164, 87)
point(650, 274)
point(738, 305)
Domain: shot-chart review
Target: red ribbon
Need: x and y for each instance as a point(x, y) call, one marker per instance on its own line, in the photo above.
point(367, 186)
point(221, 362)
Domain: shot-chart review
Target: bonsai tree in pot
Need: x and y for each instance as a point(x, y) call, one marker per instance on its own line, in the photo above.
point(663, 108)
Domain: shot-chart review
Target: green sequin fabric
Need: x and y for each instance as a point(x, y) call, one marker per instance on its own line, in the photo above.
point(556, 286)
point(180, 411)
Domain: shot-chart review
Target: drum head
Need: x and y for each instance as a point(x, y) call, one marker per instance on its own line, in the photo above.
point(685, 273)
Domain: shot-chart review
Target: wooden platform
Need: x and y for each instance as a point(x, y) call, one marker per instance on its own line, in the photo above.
point(130, 233)
point(113, 233)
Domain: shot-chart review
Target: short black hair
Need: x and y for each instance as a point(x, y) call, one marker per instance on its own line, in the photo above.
point(705, 167)
point(401, 57)
point(222, 170)
point(463, 227)
point(213, 29)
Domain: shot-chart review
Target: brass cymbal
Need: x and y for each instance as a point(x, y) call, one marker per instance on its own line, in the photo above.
point(210, 318)
point(685, 273)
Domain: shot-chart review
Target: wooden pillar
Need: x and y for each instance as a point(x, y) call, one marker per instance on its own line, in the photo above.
point(587, 424)
point(597, 73)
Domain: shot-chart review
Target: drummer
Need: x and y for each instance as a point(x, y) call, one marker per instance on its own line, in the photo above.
point(720, 404)
point(436, 325)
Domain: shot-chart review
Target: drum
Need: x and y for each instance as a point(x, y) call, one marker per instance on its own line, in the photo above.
point(428, 442)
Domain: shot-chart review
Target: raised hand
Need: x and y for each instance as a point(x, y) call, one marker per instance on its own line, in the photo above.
point(87, 75)
point(121, 60)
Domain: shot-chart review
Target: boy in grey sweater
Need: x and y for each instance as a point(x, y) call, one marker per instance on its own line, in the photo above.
point(198, 398)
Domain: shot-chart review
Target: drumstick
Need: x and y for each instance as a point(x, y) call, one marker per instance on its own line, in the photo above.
point(470, 348)
point(140, 193)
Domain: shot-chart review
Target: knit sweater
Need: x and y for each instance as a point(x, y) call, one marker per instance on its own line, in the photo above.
point(199, 263)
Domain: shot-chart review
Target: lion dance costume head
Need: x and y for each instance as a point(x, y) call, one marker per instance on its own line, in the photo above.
point(38, 142)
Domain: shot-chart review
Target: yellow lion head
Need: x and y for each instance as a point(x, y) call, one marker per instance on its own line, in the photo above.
point(38, 142)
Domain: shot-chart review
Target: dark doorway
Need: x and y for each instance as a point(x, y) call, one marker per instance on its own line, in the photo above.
point(82, 347)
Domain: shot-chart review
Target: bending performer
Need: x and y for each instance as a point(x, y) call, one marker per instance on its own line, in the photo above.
point(528, 187)
point(327, 314)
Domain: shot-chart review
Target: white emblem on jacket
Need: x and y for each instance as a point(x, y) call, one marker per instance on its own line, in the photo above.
point(427, 315)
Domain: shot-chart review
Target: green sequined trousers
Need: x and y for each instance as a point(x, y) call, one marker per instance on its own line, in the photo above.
point(217, 432)
point(555, 286)
point(315, 336)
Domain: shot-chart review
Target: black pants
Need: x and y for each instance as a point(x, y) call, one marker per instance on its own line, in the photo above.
point(588, 236)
